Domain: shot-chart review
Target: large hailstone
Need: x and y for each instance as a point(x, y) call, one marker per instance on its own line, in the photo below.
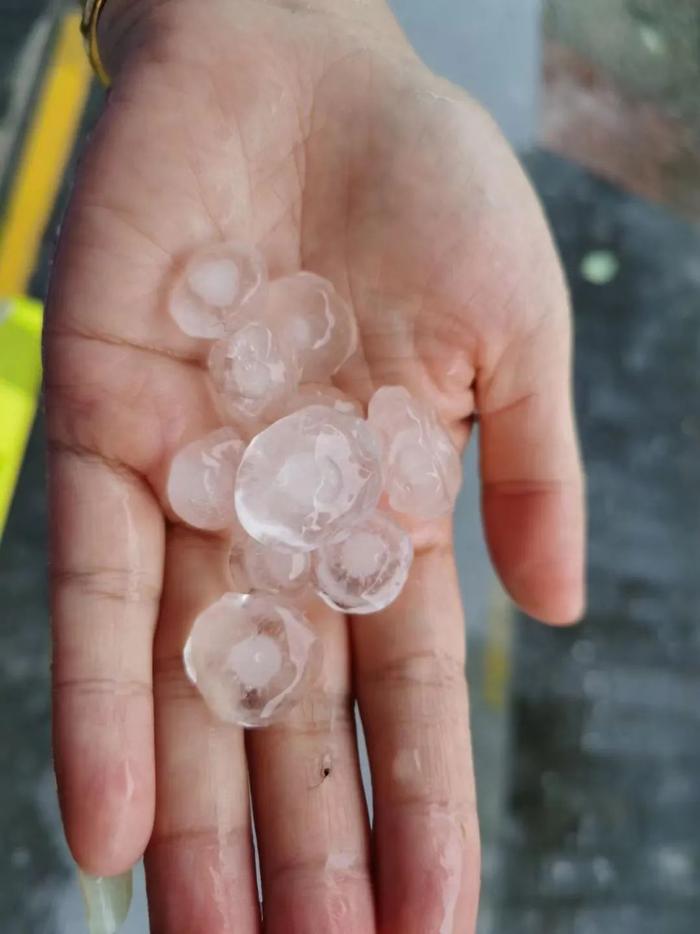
point(218, 283)
point(365, 571)
point(307, 478)
point(202, 478)
point(315, 321)
point(422, 468)
point(252, 657)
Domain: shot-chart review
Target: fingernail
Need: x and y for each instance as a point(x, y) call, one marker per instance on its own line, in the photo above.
point(107, 900)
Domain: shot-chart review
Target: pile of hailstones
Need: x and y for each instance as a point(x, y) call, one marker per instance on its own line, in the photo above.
point(306, 487)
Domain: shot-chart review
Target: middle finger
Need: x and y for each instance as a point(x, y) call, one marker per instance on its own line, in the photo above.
point(310, 812)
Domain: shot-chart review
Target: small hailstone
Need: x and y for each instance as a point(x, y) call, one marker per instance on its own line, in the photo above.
point(202, 478)
point(365, 571)
point(307, 478)
point(317, 394)
point(315, 320)
point(252, 657)
point(422, 468)
point(252, 368)
point(217, 283)
point(273, 570)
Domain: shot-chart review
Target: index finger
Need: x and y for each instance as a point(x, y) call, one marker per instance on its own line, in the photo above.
point(108, 449)
point(107, 548)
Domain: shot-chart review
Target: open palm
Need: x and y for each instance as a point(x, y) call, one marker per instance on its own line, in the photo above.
point(334, 150)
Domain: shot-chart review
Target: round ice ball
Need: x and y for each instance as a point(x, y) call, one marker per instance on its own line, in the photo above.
point(217, 282)
point(252, 657)
point(202, 478)
point(308, 477)
point(252, 368)
point(365, 571)
point(315, 320)
point(422, 467)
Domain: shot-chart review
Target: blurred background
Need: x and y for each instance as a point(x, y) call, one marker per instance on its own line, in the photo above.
point(588, 740)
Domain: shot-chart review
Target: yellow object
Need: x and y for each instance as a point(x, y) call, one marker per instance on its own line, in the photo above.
point(47, 146)
point(497, 651)
point(43, 159)
point(88, 27)
point(20, 378)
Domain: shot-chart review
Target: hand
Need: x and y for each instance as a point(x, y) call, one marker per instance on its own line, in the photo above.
point(319, 136)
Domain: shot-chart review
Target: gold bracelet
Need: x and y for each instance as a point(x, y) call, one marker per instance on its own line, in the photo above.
point(88, 27)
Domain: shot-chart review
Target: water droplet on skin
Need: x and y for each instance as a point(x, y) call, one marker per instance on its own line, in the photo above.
point(407, 768)
point(343, 861)
point(450, 857)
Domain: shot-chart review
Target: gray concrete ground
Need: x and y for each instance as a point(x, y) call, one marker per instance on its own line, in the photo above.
point(600, 833)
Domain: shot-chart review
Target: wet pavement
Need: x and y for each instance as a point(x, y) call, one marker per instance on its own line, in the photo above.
point(601, 825)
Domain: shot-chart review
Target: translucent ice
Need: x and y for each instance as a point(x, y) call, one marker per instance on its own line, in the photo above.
point(307, 478)
point(252, 368)
point(274, 570)
point(217, 283)
point(202, 478)
point(317, 394)
point(315, 320)
point(422, 467)
point(252, 657)
point(365, 571)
